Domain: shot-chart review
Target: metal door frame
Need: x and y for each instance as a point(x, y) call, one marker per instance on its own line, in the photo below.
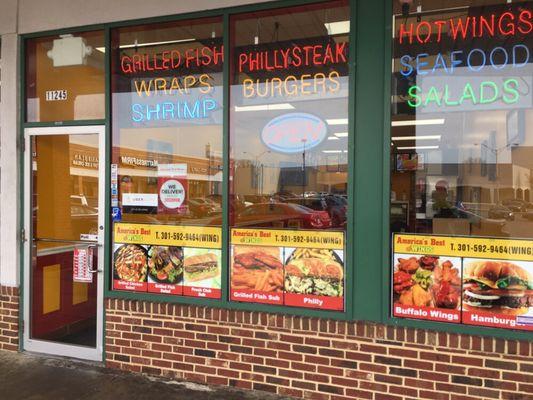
point(49, 347)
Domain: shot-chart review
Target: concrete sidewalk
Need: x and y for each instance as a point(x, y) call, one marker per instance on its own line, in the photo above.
point(30, 377)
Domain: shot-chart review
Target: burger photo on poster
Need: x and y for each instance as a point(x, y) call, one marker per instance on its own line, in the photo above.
point(498, 286)
point(201, 267)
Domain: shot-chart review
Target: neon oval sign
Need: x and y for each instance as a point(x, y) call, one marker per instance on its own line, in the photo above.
point(294, 132)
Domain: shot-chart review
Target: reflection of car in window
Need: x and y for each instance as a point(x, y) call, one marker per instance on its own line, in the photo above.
point(334, 205)
point(284, 214)
point(517, 205)
point(501, 212)
point(203, 207)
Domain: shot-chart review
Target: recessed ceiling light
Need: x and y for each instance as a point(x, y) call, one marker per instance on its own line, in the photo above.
point(337, 121)
point(436, 121)
point(331, 151)
point(418, 148)
point(265, 107)
point(421, 137)
point(148, 44)
point(333, 138)
point(341, 134)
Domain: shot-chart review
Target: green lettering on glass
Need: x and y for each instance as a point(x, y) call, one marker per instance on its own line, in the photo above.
point(482, 94)
point(468, 93)
point(447, 100)
point(412, 93)
point(433, 95)
point(508, 89)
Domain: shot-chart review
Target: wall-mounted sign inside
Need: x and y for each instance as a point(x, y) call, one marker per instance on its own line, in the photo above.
point(85, 160)
point(294, 132)
point(138, 162)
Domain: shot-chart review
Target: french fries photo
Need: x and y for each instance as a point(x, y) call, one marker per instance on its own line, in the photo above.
point(325, 255)
point(257, 268)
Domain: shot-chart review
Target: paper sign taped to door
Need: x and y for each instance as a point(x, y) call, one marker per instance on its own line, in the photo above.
point(81, 265)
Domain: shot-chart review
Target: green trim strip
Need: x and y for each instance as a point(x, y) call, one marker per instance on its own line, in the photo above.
point(349, 255)
point(368, 171)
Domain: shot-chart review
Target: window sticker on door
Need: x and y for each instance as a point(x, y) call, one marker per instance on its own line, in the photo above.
point(88, 236)
point(82, 262)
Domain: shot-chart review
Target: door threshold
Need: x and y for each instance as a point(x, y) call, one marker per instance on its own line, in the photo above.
point(63, 361)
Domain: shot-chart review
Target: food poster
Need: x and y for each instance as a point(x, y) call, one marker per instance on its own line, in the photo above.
point(294, 268)
point(156, 259)
point(498, 293)
point(495, 285)
point(314, 278)
point(202, 272)
point(165, 269)
point(257, 274)
point(427, 287)
point(130, 267)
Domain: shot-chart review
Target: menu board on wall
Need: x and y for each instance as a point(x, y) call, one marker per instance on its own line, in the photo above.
point(292, 268)
point(468, 280)
point(165, 259)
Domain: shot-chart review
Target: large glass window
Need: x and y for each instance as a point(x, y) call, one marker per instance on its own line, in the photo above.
point(166, 174)
point(289, 155)
point(65, 77)
point(461, 162)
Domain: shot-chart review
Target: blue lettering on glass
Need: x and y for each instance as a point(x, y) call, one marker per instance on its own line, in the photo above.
point(191, 114)
point(440, 62)
point(420, 64)
point(469, 63)
point(453, 59)
point(408, 70)
point(491, 57)
point(136, 112)
point(294, 132)
point(168, 108)
point(178, 110)
point(526, 59)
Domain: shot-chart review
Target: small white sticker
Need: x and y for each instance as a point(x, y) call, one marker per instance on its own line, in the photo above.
point(56, 95)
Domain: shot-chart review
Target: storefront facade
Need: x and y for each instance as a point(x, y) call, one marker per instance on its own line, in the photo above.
point(249, 195)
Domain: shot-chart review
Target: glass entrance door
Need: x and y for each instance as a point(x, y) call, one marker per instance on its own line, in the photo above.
point(64, 229)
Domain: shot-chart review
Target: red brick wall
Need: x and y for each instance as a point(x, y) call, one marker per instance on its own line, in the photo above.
point(9, 318)
point(313, 358)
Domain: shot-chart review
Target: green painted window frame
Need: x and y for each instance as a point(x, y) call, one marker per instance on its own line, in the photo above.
point(367, 295)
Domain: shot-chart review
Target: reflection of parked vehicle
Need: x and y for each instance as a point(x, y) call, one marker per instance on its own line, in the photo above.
point(283, 215)
point(517, 205)
point(528, 215)
point(283, 195)
point(335, 206)
point(203, 207)
point(495, 225)
point(501, 212)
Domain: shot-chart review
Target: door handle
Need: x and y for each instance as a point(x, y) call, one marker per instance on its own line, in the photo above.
point(95, 246)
